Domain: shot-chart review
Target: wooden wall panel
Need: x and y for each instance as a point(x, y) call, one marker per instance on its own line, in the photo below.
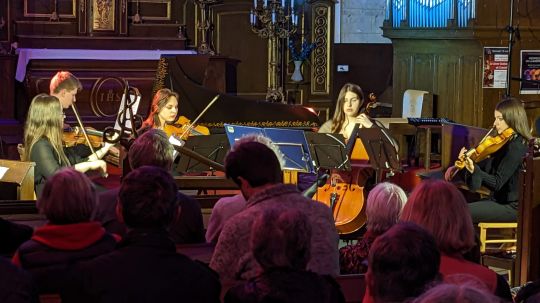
point(234, 38)
point(450, 70)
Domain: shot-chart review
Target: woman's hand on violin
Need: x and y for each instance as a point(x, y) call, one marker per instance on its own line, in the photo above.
point(462, 152)
point(364, 120)
point(469, 164)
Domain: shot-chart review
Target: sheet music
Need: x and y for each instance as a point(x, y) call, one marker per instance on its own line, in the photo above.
point(3, 171)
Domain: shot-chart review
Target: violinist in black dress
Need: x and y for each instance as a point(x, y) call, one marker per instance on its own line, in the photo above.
point(500, 172)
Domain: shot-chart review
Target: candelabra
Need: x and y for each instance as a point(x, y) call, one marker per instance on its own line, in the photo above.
point(274, 20)
point(205, 26)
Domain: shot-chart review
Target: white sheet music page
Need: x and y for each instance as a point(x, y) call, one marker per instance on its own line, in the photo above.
point(3, 171)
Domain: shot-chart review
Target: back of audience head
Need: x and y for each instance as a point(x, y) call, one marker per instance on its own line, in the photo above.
point(151, 148)
point(68, 197)
point(439, 207)
point(384, 206)
point(403, 263)
point(281, 239)
point(529, 293)
point(457, 293)
point(147, 198)
point(255, 163)
point(264, 140)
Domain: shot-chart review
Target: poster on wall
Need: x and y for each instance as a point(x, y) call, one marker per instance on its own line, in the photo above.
point(530, 72)
point(495, 67)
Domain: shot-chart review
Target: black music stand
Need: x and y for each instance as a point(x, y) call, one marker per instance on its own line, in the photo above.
point(328, 151)
point(213, 147)
point(381, 150)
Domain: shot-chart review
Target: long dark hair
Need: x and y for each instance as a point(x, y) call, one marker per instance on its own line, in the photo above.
point(514, 115)
point(339, 115)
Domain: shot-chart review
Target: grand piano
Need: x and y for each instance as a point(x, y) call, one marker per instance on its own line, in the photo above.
point(187, 74)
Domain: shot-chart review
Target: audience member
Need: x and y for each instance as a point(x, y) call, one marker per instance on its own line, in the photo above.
point(383, 208)
point(13, 235)
point(439, 207)
point(16, 285)
point(146, 266)
point(457, 293)
point(403, 263)
point(227, 207)
point(281, 244)
point(529, 293)
point(153, 148)
point(67, 202)
point(256, 170)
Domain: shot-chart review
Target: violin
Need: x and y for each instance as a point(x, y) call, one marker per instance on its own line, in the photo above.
point(183, 128)
point(73, 136)
point(488, 146)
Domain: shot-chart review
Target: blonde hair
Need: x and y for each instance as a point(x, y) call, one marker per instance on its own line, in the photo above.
point(64, 80)
point(339, 115)
point(44, 120)
point(384, 206)
point(439, 207)
point(161, 98)
point(68, 197)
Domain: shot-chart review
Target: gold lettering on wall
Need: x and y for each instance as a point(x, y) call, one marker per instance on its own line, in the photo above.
point(103, 15)
point(106, 96)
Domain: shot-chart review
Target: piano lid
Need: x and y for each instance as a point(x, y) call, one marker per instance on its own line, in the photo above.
point(183, 75)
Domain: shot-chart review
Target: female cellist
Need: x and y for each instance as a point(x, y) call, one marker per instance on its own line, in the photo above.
point(345, 193)
point(43, 142)
point(347, 112)
point(499, 172)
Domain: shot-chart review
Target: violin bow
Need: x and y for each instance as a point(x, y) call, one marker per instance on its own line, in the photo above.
point(83, 130)
point(190, 126)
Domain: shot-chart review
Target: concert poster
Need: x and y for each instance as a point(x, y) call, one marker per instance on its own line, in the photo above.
point(495, 67)
point(530, 72)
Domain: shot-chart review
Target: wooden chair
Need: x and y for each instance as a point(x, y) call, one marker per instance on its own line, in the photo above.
point(497, 257)
point(50, 298)
point(353, 287)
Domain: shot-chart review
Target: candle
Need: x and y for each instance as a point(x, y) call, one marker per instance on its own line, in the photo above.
point(283, 3)
point(273, 17)
point(292, 5)
point(255, 4)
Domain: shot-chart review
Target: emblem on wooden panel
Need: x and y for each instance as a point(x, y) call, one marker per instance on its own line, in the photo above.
point(106, 96)
point(103, 15)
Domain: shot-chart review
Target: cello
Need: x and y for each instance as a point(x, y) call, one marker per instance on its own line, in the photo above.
point(344, 194)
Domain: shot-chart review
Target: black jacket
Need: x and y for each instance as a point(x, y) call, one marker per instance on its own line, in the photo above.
point(500, 172)
point(47, 161)
point(187, 228)
point(16, 285)
point(285, 285)
point(145, 268)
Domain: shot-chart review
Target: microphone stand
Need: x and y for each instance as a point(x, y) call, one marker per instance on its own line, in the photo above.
point(512, 33)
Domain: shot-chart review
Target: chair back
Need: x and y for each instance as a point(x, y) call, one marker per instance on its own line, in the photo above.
point(417, 103)
point(353, 287)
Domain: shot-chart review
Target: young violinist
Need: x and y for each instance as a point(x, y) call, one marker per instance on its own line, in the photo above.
point(347, 112)
point(65, 86)
point(43, 142)
point(164, 110)
point(500, 172)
